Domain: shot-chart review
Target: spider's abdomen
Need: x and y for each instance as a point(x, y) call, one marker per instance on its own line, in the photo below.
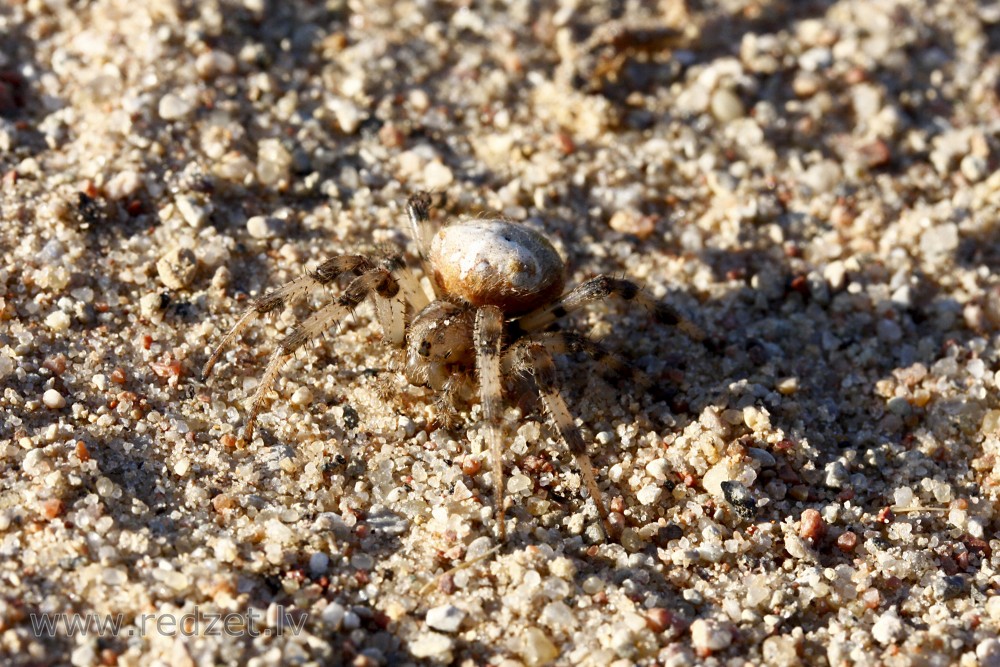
point(497, 263)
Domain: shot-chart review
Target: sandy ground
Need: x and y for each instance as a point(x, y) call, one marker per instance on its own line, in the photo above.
point(812, 182)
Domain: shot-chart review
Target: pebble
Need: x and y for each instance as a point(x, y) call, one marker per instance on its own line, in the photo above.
point(446, 618)
point(631, 221)
point(319, 562)
point(274, 163)
point(211, 64)
point(988, 652)
point(888, 629)
point(432, 645)
point(333, 615)
point(53, 400)
point(178, 268)
point(437, 176)
point(301, 396)
point(780, 651)
point(349, 116)
point(260, 227)
point(939, 241)
point(649, 494)
point(898, 405)
point(536, 649)
point(174, 107)
point(658, 469)
point(836, 475)
point(225, 550)
point(974, 168)
point(888, 331)
point(123, 184)
point(708, 636)
point(811, 525)
point(726, 106)
point(193, 213)
point(558, 614)
point(518, 483)
point(58, 321)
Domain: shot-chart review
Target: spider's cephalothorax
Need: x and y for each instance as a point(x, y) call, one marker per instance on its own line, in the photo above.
point(498, 286)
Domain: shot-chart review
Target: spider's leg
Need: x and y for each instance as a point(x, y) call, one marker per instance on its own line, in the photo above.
point(515, 359)
point(487, 338)
point(278, 298)
point(600, 288)
point(418, 210)
point(544, 370)
point(377, 281)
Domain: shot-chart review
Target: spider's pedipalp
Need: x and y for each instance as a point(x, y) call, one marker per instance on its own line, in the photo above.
point(600, 288)
point(294, 289)
point(487, 339)
point(544, 369)
point(376, 281)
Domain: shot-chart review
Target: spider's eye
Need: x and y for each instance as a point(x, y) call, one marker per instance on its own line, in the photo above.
point(425, 349)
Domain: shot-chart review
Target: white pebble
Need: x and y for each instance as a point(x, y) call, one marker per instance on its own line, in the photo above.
point(726, 105)
point(888, 628)
point(649, 494)
point(193, 213)
point(57, 321)
point(302, 396)
point(518, 483)
point(225, 550)
point(446, 618)
point(260, 227)
point(432, 644)
point(536, 648)
point(437, 176)
point(558, 614)
point(658, 469)
point(212, 63)
point(710, 635)
point(53, 399)
point(939, 241)
point(347, 113)
point(174, 107)
point(780, 651)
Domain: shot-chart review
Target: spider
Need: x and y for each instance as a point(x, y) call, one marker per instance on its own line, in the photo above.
point(498, 288)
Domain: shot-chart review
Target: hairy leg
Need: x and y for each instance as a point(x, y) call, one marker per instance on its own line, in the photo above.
point(516, 359)
point(601, 288)
point(487, 335)
point(543, 368)
point(376, 281)
point(296, 288)
point(418, 210)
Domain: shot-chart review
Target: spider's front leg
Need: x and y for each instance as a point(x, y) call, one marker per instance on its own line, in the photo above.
point(376, 281)
point(487, 339)
point(600, 288)
point(537, 357)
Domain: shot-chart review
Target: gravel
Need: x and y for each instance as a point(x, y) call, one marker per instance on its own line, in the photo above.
point(813, 481)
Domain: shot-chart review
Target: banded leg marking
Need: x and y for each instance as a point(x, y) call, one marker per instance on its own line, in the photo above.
point(487, 335)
